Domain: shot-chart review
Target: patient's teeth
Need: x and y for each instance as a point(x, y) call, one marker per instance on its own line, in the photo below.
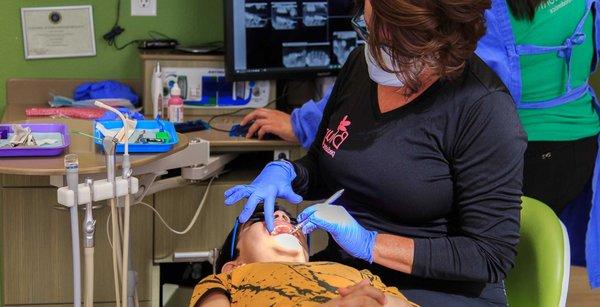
point(281, 228)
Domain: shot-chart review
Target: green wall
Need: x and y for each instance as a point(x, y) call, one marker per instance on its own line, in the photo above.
point(189, 21)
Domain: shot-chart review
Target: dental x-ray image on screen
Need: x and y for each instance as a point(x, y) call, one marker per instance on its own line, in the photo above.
point(306, 54)
point(317, 54)
point(284, 15)
point(314, 14)
point(343, 43)
point(257, 15)
point(269, 39)
point(294, 54)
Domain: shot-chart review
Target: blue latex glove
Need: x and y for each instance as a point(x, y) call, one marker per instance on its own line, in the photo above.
point(275, 181)
point(346, 231)
point(105, 89)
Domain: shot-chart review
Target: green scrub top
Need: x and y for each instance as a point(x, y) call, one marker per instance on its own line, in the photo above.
point(555, 21)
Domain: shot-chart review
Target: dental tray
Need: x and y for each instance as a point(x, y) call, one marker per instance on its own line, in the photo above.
point(141, 125)
point(52, 131)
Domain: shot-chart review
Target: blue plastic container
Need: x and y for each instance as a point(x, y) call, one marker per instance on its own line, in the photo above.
point(141, 125)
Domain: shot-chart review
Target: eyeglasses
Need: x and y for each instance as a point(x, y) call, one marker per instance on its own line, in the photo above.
point(360, 25)
point(256, 217)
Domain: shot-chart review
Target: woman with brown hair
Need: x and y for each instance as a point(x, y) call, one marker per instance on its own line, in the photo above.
point(426, 142)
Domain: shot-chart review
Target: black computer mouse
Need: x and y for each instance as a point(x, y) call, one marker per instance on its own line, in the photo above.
point(241, 130)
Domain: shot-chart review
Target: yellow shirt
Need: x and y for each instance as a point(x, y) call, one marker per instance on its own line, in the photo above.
point(286, 284)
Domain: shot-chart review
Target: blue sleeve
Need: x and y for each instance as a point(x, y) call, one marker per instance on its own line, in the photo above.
point(492, 48)
point(306, 119)
point(592, 238)
point(596, 39)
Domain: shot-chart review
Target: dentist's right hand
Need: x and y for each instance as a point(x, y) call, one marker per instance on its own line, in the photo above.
point(275, 181)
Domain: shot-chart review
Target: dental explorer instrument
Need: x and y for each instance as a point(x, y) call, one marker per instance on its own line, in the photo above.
point(89, 227)
point(72, 173)
point(140, 136)
point(330, 200)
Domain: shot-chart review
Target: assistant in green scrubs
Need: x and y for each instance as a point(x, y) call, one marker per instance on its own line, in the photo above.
point(562, 146)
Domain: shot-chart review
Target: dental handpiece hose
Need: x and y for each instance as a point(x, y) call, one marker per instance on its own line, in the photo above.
point(88, 244)
point(126, 175)
point(109, 149)
point(116, 243)
point(127, 208)
point(72, 172)
point(126, 166)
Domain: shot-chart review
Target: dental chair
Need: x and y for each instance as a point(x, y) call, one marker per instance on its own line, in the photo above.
point(541, 273)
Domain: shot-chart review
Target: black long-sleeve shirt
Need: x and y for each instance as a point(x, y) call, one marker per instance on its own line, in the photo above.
point(444, 170)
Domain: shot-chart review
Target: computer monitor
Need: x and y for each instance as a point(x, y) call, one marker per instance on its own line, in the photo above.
point(271, 39)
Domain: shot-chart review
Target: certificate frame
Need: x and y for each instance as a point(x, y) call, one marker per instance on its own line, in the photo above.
point(46, 30)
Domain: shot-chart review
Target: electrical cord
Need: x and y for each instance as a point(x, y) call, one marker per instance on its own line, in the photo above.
point(118, 12)
point(187, 229)
point(111, 36)
point(196, 215)
point(284, 93)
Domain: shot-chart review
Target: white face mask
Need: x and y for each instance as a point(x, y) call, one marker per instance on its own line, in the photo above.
point(377, 73)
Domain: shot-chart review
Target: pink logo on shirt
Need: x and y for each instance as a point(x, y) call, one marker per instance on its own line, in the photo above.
point(333, 140)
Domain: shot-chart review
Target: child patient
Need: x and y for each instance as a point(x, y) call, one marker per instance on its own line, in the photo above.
point(265, 269)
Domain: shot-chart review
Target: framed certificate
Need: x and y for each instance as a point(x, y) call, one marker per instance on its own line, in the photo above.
point(58, 32)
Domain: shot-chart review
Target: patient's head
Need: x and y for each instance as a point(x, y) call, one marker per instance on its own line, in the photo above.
point(253, 243)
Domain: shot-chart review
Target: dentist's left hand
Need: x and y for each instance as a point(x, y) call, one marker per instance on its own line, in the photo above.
point(275, 181)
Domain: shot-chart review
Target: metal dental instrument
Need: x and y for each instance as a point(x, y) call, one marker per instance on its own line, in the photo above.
point(140, 136)
point(330, 200)
point(150, 140)
point(72, 173)
point(89, 227)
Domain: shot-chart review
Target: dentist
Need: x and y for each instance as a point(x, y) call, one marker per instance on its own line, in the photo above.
point(426, 141)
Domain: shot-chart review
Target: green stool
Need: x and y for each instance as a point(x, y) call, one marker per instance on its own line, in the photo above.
point(541, 273)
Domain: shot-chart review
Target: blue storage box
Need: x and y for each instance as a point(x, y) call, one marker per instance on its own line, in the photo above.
point(141, 125)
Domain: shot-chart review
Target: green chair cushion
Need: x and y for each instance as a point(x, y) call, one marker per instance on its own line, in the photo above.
point(536, 279)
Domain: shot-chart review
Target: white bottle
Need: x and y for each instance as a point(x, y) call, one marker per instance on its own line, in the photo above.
point(175, 105)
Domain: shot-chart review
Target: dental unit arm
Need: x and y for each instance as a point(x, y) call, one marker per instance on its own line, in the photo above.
point(196, 164)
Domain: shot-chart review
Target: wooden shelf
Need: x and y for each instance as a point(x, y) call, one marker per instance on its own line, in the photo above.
point(175, 55)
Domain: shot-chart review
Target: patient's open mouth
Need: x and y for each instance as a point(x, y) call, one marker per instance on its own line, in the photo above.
point(281, 227)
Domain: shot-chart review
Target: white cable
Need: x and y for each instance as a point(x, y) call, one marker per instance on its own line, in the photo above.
point(124, 231)
point(200, 206)
point(193, 221)
point(186, 230)
point(121, 116)
point(108, 231)
point(125, 272)
point(116, 251)
point(88, 298)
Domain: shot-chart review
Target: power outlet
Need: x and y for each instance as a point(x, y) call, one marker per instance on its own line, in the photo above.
point(143, 7)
